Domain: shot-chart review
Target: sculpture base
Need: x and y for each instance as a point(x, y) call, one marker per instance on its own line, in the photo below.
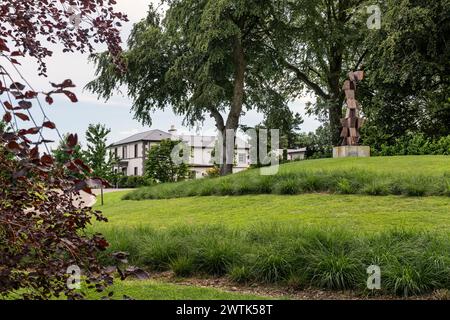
point(351, 151)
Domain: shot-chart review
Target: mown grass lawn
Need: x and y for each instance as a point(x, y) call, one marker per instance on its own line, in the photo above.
point(153, 290)
point(410, 165)
point(280, 229)
point(408, 175)
point(318, 240)
point(352, 212)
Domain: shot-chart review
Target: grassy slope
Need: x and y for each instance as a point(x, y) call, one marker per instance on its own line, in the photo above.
point(322, 240)
point(408, 175)
point(356, 213)
point(426, 165)
point(152, 290)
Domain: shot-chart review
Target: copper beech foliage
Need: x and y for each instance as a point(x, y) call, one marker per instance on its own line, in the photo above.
point(42, 218)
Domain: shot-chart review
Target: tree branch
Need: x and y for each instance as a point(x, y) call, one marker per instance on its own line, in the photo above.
point(220, 123)
point(361, 59)
point(304, 78)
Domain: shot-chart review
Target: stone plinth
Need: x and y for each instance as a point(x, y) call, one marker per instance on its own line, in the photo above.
point(351, 151)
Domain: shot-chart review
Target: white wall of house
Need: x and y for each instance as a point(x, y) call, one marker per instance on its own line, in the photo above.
point(132, 156)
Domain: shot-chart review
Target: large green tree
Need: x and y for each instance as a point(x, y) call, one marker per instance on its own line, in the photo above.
point(99, 159)
point(318, 42)
point(206, 58)
point(160, 165)
point(288, 122)
point(61, 154)
point(408, 69)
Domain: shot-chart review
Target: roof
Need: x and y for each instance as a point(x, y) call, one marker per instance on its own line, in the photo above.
point(290, 151)
point(192, 140)
point(152, 135)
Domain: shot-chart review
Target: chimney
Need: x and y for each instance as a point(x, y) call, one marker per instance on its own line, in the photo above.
point(173, 132)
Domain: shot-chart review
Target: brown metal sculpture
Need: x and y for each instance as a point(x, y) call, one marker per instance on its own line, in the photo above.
point(352, 123)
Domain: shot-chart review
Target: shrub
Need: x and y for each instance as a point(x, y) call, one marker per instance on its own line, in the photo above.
point(240, 274)
point(344, 186)
point(417, 144)
point(182, 266)
point(296, 281)
point(43, 220)
point(291, 182)
point(411, 262)
point(271, 266)
point(131, 181)
point(415, 189)
point(215, 257)
point(335, 270)
point(376, 188)
point(158, 251)
point(213, 172)
point(288, 186)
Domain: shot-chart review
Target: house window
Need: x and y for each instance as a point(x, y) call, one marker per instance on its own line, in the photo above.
point(124, 152)
point(192, 152)
point(124, 171)
point(116, 152)
point(242, 158)
point(135, 171)
point(136, 149)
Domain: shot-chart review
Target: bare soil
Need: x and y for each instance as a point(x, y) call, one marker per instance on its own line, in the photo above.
point(279, 292)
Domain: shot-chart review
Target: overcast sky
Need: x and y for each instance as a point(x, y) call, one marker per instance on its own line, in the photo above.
point(115, 113)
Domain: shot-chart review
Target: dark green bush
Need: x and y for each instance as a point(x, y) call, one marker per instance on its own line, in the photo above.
point(131, 182)
point(411, 262)
point(240, 274)
point(182, 266)
point(416, 144)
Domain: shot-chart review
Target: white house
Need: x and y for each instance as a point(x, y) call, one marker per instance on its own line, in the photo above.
point(132, 152)
point(296, 154)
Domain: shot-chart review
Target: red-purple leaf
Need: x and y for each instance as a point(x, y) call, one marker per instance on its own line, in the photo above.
point(7, 117)
point(22, 116)
point(16, 54)
point(25, 104)
point(15, 61)
point(17, 86)
point(30, 94)
point(49, 124)
point(34, 130)
point(3, 46)
point(67, 84)
point(13, 146)
point(47, 160)
point(72, 140)
point(49, 99)
point(71, 96)
point(34, 153)
point(8, 105)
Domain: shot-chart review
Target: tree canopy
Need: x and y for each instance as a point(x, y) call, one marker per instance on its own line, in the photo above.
point(408, 83)
point(205, 58)
point(97, 156)
point(159, 165)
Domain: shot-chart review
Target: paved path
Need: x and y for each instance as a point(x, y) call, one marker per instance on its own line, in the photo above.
point(90, 200)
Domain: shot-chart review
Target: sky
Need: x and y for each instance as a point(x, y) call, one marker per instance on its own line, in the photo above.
point(115, 113)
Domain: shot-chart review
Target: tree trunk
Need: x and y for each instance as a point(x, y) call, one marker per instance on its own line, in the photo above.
point(336, 98)
point(227, 152)
point(334, 116)
point(236, 106)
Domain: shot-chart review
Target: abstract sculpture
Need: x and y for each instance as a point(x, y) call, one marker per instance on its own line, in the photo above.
point(352, 123)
